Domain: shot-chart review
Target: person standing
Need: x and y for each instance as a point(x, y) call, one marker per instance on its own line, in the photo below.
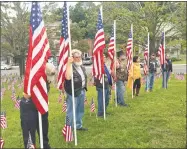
point(168, 69)
point(121, 77)
point(153, 64)
point(107, 89)
point(135, 76)
point(29, 115)
point(75, 68)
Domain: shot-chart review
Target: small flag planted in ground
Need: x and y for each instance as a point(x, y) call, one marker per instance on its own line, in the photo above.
point(13, 97)
point(64, 106)
point(92, 106)
point(2, 142)
point(30, 144)
point(85, 101)
point(3, 120)
point(17, 103)
point(67, 131)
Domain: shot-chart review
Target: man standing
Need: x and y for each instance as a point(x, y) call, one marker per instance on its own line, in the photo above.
point(29, 115)
point(74, 66)
point(153, 64)
point(168, 69)
point(121, 77)
point(99, 88)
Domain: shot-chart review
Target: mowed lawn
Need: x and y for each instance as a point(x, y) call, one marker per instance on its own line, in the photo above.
point(152, 120)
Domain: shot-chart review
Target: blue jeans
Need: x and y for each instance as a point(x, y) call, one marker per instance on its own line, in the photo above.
point(167, 77)
point(150, 81)
point(120, 88)
point(79, 109)
point(100, 99)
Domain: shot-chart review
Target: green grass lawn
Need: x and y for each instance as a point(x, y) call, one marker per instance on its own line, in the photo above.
point(152, 120)
point(179, 62)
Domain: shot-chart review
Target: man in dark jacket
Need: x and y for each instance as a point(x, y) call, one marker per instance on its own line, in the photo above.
point(167, 69)
point(74, 66)
point(153, 64)
point(29, 115)
point(99, 88)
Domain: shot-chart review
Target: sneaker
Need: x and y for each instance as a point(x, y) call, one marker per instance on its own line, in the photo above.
point(124, 105)
point(83, 129)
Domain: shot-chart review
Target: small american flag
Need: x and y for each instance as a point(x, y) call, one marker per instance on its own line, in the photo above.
point(67, 131)
point(3, 120)
point(146, 56)
point(85, 101)
point(111, 49)
point(9, 86)
point(129, 51)
point(64, 48)
point(30, 144)
point(13, 97)
point(38, 53)
point(17, 103)
point(99, 45)
point(161, 50)
point(64, 106)
point(2, 142)
point(92, 106)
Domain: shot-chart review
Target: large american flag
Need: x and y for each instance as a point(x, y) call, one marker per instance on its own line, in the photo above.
point(99, 45)
point(111, 49)
point(67, 131)
point(161, 50)
point(64, 48)
point(92, 106)
point(3, 120)
point(129, 51)
point(146, 56)
point(2, 142)
point(38, 53)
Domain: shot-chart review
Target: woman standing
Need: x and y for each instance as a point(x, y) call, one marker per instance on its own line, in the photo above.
point(135, 76)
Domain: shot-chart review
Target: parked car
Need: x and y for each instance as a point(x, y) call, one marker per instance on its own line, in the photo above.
point(87, 61)
point(5, 66)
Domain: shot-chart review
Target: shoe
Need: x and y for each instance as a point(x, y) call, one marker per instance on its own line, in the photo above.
point(137, 91)
point(83, 129)
point(100, 115)
point(124, 105)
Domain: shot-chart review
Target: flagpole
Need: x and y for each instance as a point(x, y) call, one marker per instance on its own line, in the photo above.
point(164, 62)
point(147, 61)
point(103, 78)
point(132, 58)
point(40, 129)
point(115, 59)
point(72, 82)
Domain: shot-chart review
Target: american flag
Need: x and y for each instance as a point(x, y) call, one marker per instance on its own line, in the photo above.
point(92, 106)
point(146, 56)
point(64, 106)
point(129, 51)
point(13, 97)
point(38, 53)
point(64, 48)
point(161, 50)
point(99, 45)
point(9, 86)
point(17, 103)
point(111, 49)
point(30, 144)
point(3, 120)
point(67, 131)
point(85, 101)
point(2, 142)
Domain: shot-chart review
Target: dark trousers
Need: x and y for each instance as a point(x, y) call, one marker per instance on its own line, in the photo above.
point(137, 83)
point(30, 123)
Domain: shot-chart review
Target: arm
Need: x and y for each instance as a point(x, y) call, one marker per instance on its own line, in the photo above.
point(69, 69)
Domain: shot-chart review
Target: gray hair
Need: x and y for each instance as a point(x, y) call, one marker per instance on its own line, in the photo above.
point(74, 51)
